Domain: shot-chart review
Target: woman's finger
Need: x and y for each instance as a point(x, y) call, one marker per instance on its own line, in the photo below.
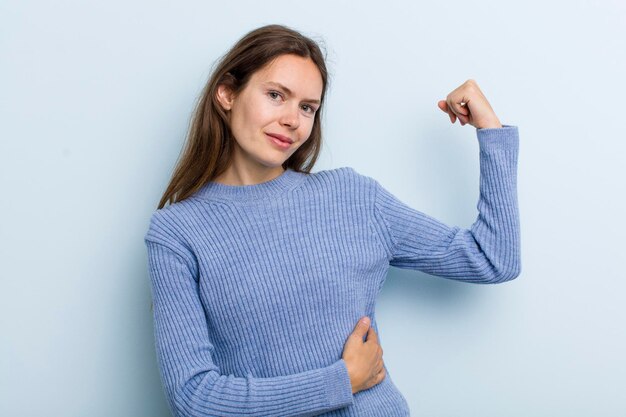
point(463, 109)
point(452, 117)
point(466, 112)
point(451, 106)
point(372, 337)
point(460, 111)
point(443, 105)
point(458, 97)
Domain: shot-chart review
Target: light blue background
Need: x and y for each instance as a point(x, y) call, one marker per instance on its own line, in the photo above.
point(95, 100)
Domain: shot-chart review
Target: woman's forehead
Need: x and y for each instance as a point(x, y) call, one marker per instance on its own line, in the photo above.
point(295, 75)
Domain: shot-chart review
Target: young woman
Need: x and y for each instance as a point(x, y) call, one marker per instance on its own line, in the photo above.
point(261, 270)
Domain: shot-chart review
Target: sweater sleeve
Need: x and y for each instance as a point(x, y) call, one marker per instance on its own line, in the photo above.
point(489, 251)
point(193, 383)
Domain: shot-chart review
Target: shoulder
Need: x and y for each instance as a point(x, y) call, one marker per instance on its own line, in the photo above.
point(341, 184)
point(167, 228)
point(343, 176)
point(167, 224)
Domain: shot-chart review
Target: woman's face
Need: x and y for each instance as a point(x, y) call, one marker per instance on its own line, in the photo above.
point(279, 99)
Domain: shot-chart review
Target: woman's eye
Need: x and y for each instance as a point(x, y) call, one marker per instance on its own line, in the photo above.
point(273, 94)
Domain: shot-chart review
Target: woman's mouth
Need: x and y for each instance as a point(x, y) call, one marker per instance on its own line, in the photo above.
point(279, 143)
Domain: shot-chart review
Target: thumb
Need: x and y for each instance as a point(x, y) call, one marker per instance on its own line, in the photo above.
point(361, 328)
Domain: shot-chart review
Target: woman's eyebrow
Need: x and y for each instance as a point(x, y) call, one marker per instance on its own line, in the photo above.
point(288, 91)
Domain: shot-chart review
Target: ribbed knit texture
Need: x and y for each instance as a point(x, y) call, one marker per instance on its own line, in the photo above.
point(256, 288)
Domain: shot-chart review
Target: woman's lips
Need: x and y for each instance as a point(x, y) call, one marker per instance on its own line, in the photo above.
point(279, 143)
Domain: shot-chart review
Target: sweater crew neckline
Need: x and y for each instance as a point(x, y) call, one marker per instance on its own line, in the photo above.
point(272, 188)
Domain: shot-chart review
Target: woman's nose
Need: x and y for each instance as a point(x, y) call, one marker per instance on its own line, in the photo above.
point(290, 117)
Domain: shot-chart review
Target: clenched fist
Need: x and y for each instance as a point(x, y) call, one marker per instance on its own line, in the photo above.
point(469, 105)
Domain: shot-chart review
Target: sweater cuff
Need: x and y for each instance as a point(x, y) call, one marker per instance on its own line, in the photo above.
point(338, 387)
point(505, 137)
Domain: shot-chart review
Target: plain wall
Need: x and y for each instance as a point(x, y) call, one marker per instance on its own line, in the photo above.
point(95, 100)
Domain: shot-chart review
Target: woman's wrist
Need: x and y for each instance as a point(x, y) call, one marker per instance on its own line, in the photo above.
point(495, 124)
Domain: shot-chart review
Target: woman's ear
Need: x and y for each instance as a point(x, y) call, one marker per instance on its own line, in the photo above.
point(225, 96)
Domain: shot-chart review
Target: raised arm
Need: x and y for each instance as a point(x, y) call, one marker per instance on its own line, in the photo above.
point(193, 382)
point(489, 251)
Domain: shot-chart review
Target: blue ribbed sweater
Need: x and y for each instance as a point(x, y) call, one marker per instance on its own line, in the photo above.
point(256, 288)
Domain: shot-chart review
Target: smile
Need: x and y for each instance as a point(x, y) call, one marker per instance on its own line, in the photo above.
point(279, 143)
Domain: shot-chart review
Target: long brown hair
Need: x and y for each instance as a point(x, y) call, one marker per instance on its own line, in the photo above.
point(209, 145)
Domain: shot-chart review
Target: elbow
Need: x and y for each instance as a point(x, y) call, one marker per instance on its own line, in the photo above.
point(498, 263)
point(505, 274)
point(496, 270)
point(184, 396)
point(505, 267)
point(179, 401)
